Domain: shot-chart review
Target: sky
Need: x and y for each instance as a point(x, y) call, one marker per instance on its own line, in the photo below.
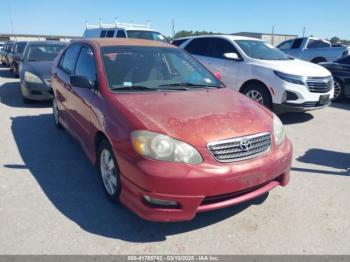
point(322, 18)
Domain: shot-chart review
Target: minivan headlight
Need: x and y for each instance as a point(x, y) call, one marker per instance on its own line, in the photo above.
point(278, 130)
point(162, 147)
point(294, 79)
point(31, 78)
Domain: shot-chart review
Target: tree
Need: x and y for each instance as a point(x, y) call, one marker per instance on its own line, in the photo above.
point(184, 33)
point(335, 40)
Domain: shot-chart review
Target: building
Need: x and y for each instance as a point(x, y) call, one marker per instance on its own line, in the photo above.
point(274, 39)
point(33, 37)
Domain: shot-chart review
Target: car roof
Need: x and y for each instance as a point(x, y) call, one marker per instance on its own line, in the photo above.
point(46, 42)
point(123, 42)
point(228, 37)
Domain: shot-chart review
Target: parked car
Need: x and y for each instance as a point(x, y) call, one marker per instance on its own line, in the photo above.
point(15, 57)
point(179, 41)
point(313, 49)
point(4, 54)
point(123, 30)
point(169, 139)
point(35, 69)
point(264, 73)
point(340, 70)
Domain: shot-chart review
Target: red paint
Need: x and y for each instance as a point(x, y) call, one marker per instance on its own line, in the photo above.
point(218, 75)
point(196, 117)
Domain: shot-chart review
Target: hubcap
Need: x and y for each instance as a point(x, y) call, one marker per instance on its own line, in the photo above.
point(256, 96)
point(55, 112)
point(337, 89)
point(108, 171)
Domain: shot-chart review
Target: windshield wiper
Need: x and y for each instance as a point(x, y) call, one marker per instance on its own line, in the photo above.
point(189, 84)
point(146, 88)
point(133, 87)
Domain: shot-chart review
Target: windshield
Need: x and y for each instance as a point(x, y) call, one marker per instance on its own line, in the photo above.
point(43, 52)
point(148, 35)
point(261, 50)
point(154, 68)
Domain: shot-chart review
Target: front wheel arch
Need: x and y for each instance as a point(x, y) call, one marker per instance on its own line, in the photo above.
point(259, 83)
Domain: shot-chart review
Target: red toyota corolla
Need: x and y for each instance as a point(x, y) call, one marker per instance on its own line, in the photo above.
point(169, 139)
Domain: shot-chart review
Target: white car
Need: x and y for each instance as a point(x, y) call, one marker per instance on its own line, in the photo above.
point(123, 30)
point(264, 73)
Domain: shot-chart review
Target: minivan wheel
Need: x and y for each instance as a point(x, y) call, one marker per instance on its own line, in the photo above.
point(338, 90)
point(259, 94)
point(56, 114)
point(109, 171)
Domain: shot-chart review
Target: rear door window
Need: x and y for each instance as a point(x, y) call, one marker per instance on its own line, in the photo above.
point(110, 33)
point(69, 59)
point(199, 46)
point(297, 43)
point(121, 34)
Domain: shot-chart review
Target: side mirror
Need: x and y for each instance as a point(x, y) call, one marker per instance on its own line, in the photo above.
point(232, 56)
point(217, 74)
point(81, 81)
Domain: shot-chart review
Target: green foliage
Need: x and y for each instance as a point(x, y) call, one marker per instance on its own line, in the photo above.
point(184, 33)
point(337, 40)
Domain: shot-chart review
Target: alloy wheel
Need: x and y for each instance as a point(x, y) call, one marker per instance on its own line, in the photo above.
point(337, 90)
point(256, 96)
point(108, 172)
point(55, 112)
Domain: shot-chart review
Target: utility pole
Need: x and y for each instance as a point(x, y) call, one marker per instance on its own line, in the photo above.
point(304, 30)
point(11, 21)
point(173, 27)
point(273, 35)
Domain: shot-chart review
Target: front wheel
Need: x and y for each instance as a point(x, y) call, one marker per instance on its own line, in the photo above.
point(258, 93)
point(109, 171)
point(338, 90)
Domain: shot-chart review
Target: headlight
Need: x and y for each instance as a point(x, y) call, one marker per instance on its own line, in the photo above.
point(31, 78)
point(162, 147)
point(278, 130)
point(298, 80)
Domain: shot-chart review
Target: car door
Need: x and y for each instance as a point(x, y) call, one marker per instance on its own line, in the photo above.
point(199, 48)
point(61, 85)
point(82, 98)
point(230, 69)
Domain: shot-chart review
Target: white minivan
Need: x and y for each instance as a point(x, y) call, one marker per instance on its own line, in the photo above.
point(263, 72)
point(123, 30)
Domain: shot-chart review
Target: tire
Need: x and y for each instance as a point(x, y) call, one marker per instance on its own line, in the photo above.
point(338, 90)
point(109, 173)
point(259, 93)
point(318, 60)
point(56, 114)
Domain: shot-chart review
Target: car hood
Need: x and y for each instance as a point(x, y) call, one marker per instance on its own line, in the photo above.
point(196, 116)
point(296, 67)
point(40, 68)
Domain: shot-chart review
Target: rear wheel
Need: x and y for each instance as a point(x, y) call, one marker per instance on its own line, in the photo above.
point(318, 60)
point(338, 90)
point(258, 93)
point(109, 171)
point(56, 114)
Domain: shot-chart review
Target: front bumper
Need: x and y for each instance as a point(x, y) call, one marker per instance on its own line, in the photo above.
point(289, 97)
point(303, 107)
point(37, 92)
point(203, 187)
